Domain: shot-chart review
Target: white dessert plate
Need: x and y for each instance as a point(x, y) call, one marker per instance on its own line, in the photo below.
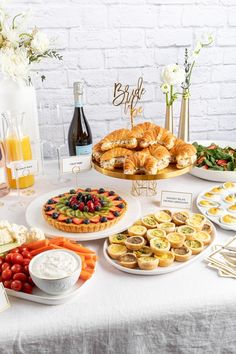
point(34, 218)
point(159, 270)
point(211, 175)
point(216, 219)
point(46, 299)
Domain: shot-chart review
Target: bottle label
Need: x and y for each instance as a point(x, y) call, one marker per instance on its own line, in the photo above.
point(84, 150)
point(2, 176)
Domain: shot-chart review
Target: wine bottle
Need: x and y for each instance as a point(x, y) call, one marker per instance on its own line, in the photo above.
point(79, 136)
point(4, 189)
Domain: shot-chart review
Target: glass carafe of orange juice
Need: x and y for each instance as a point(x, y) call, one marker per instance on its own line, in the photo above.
point(17, 148)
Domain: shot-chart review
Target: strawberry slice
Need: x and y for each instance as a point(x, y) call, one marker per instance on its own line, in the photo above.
point(112, 197)
point(95, 219)
point(62, 217)
point(77, 221)
point(110, 216)
point(50, 212)
point(115, 208)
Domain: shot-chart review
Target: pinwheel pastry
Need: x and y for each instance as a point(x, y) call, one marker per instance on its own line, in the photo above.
point(161, 154)
point(119, 138)
point(114, 158)
point(140, 162)
point(97, 152)
point(183, 154)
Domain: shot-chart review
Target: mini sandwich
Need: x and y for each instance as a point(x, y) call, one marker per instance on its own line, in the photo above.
point(140, 162)
point(119, 138)
point(186, 156)
point(161, 154)
point(97, 152)
point(114, 158)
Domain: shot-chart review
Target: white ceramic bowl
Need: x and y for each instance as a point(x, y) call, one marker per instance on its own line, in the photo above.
point(211, 175)
point(59, 285)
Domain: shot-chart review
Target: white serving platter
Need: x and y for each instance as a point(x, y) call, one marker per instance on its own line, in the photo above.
point(41, 297)
point(216, 219)
point(159, 270)
point(34, 218)
point(210, 175)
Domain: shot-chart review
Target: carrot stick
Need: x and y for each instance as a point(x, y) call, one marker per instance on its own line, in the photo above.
point(84, 275)
point(40, 250)
point(91, 271)
point(37, 244)
point(57, 240)
point(77, 248)
point(90, 263)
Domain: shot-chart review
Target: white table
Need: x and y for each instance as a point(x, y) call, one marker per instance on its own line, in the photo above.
point(189, 311)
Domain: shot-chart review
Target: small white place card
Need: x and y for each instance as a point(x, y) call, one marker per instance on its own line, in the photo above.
point(23, 168)
point(179, 200)
point(4, 302)
point(75, 164)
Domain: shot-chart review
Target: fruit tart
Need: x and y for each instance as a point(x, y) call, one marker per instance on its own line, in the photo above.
point(88, 210)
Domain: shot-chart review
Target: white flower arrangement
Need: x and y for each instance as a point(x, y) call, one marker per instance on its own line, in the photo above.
point(19, 48)
point(171, 76)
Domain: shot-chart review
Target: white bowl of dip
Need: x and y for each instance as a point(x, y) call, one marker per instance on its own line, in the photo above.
point(55, 271)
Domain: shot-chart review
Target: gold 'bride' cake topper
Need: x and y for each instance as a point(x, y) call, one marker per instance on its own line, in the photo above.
point(122, 95)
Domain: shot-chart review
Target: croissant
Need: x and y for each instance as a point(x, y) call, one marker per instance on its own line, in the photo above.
point(186, 155)
point(97, 152)
point(168, 139)
point(141, 128)
point(114, 158)
point(151, 137)
point(119, 138)
point(161, 154)
point(174, 149)
point(140, 162)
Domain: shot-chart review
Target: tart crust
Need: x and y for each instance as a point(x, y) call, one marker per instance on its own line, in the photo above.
point(166, 259)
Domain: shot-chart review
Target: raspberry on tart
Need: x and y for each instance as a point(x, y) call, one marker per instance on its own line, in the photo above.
point(88, 210)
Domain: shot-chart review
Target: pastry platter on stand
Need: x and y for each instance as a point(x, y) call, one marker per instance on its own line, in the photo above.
point(143, 185)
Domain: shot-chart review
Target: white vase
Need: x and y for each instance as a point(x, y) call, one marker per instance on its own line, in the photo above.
point(18, 97)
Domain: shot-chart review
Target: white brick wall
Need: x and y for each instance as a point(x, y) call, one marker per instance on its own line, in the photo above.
point(107, 40)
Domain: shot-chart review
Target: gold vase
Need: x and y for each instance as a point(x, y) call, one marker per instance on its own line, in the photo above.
point(169, 118)
point(184, 118)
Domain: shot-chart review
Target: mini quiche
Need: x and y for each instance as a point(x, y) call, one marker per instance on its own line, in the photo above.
point(162, 216)
point(165, 259)
point(144, 251)
point(204, 203)
point(148, 263)
point(159, 245)
point(187, 231)
point(180, 217)
point(167, 226)
point(176, 239)
point(229, 185)
point(118, 238)
point(88, 210)
point(207, 227)
point(137, 230)
point(195, 246)
point(182, 254)
point(155, 233)
point(149, 222)
point(196, 221)
point(116, 251)
point(228, 219)
point(129, 260)
point(232, 208)
point(134, 243)
point(230, 199)
point(204, 237)
point(215, 211)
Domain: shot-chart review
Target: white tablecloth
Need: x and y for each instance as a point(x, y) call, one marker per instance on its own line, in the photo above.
point(188, 311)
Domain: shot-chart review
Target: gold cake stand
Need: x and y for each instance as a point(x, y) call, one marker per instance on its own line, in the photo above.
point(143, 185)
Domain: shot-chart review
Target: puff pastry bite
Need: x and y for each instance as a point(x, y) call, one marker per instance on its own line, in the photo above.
point(204, 237)
point(114, 158)
point(176, 239)
point(148, 263)
point(97, 152)
point(137, 230)
point(162, 216)
point(151, 233)
point(140, 162)
point(115, 251)
point(167, 226)
point(165, 259)
point(119, 138)
point(129, 260)
point(134, 243)
point(118, 238)
point(149, 222)
point(180, 217)
point(161, 154)
point(145, 251)
point(182, 254)
point(159, 245)
point(195, 246)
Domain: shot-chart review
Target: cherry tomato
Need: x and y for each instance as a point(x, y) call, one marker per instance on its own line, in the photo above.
point(8, 257)
point(16, 285)
point(1, 261)
point(23, 248)
point(27, 288)
point(26, 261)
point(17, 268)
point(17, 258)
point(5, 265)
point(20, 276)
point(1, 279)
point(7, 274)
point(26, 254)
point(7, 284)
point(26, 269)
point(15, 250)
point(30, 280)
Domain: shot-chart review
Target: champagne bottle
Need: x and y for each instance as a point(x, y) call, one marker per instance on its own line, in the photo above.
point(4, 189)
point(79, 136)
